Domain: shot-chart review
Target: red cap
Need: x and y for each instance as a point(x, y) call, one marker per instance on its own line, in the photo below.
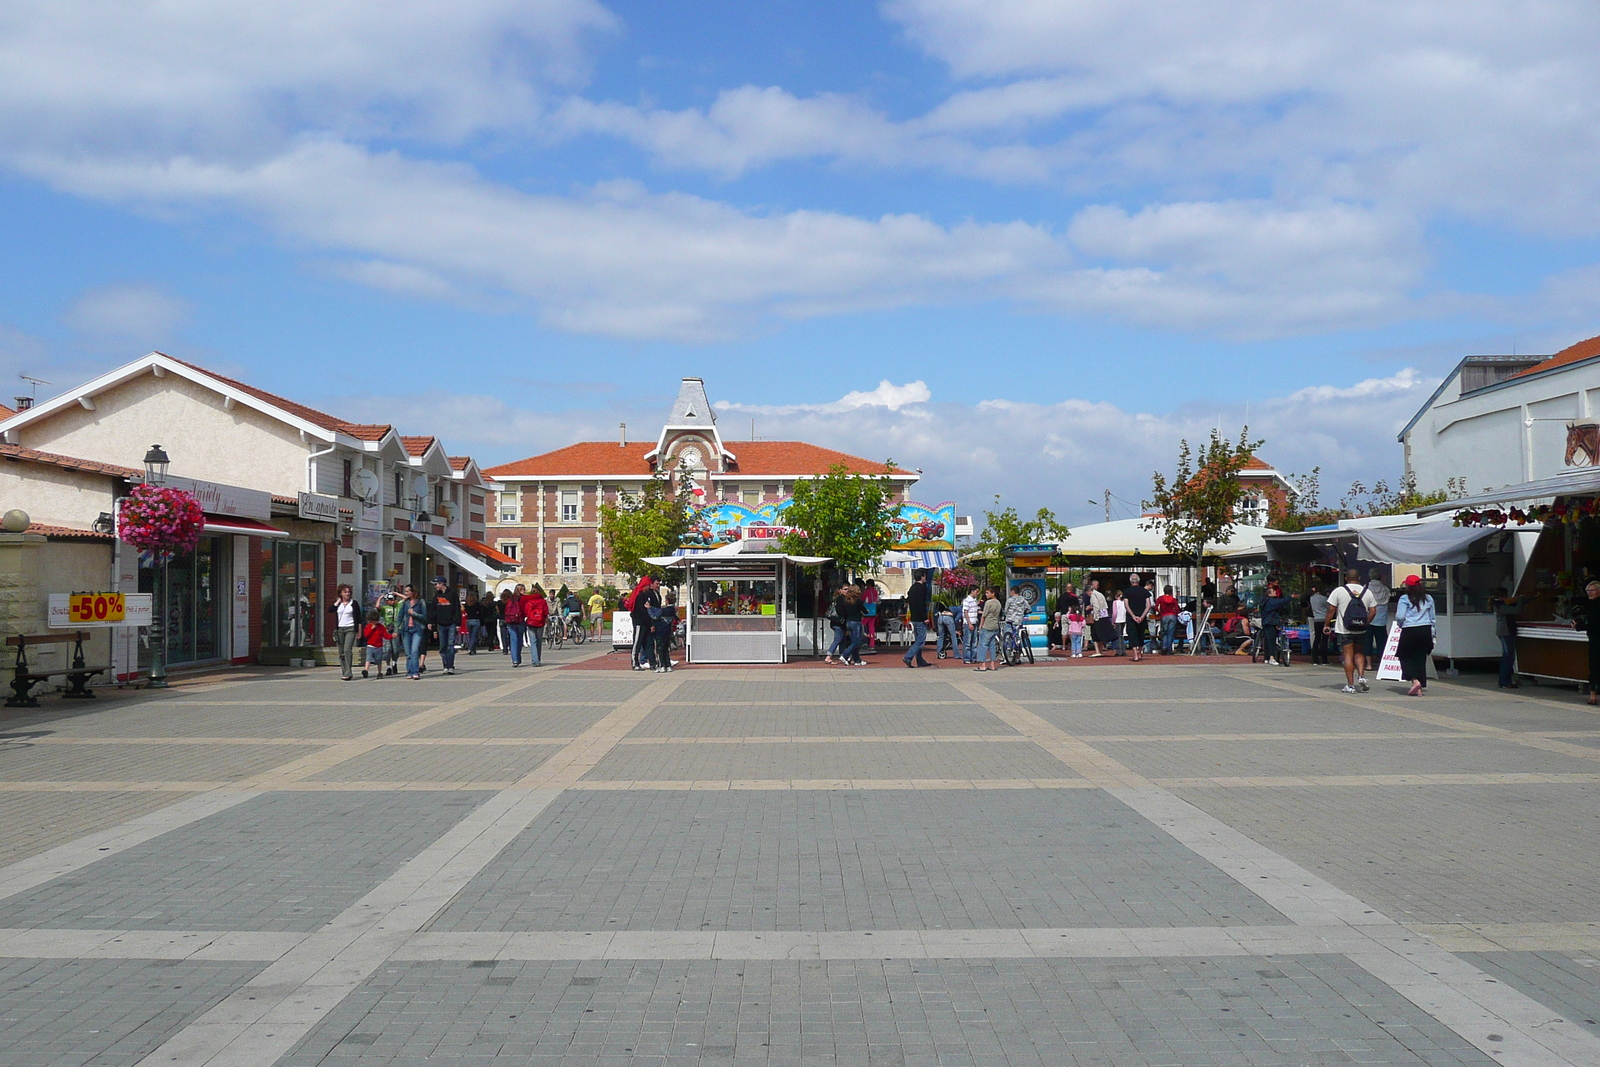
point(1412, 579)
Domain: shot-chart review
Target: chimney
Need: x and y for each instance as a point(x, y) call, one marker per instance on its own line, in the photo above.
point(623, 430)
point(24, 402)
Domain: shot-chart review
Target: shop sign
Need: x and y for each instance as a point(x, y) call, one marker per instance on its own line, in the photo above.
point(319, 508)
point(218, 499)
point(914, 526)
point(70, 611)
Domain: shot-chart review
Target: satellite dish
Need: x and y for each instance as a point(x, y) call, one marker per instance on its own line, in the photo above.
point(450, 511)
point(364, 484)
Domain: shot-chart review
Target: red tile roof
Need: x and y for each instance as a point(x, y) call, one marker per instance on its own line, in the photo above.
point(71, 463)
point(1585, 349)
point(67, 533)
point(596, 459)
point(5, 412)
point(416, 446)
point(1254, 464)
point(459, 463)
point(358, 430)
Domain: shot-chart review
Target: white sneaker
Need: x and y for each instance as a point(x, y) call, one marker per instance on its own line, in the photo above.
point(1361, 684)
point(1347, 689)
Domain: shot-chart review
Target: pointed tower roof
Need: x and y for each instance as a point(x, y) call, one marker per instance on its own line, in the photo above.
point(691, 413)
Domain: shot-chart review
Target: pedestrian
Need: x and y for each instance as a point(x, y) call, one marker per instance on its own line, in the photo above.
point(1167, 617)
point(1119, 623)
point(389, 615)
point(444, 619)
point(1099, 616)
point(505, 623)
point(535, 614)
point(1074, 630)
point(413, 619)
point(469, 615)
point(1506, 610)
point(640, 601)
point(836, 624)
point(489, 620)
point(1587, 612)
point(917, 600)
point(374, 637)
point(515, 625)
point(597, 614)
point(665, 622)
point(989, 629)
point(944, 618)
point(571, 609)
point(869, 613)
point(849, 609)
point(971, 607)
point(1274, 610)
point(1350, 610)
point(1318, 601)
point(346, 620)
point(1378, 630)
point(1137, 599)
point(1415, 613)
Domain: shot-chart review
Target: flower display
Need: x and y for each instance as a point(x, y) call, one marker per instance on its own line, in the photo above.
point(166, 522)
point(1566, 509)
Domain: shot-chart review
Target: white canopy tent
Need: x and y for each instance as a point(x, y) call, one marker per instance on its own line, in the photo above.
point(1128, 542)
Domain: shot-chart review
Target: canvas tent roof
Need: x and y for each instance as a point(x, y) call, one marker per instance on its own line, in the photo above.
point(735, 549)
point(1126, 540)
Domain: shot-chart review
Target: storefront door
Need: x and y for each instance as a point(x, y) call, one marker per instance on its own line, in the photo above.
point(291, 603)
point(193, 614)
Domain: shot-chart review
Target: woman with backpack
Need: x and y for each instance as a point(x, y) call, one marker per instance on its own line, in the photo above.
point(1417, 619)
point(535, 613)
point(516, 626)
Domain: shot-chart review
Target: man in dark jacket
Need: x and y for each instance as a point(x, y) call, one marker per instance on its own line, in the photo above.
point(444, 619)
point(917, 608)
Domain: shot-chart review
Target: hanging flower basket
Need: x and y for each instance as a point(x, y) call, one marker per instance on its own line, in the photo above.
point(164, 522)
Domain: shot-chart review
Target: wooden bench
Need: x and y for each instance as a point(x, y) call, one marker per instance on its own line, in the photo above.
point(77, 675)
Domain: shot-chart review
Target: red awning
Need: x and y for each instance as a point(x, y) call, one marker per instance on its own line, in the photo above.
point(233, 524)
point(478, 548)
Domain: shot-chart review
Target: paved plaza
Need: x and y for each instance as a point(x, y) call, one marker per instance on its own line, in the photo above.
point(1197, 864)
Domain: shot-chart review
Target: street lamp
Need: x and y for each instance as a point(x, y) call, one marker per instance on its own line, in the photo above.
point(156, 462)
point(423, 521)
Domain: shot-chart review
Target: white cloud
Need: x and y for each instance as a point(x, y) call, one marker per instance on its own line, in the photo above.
point(127, 312)
point(887, 395)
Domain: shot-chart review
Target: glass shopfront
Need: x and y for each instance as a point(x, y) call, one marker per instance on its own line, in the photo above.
point(291, 603)
point(744, 603)
point(194, 608)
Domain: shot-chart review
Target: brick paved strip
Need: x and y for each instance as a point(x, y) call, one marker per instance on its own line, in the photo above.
point(731, 784)
point(1513, 937)
point(813, 739)
point(1491, 1015)
point(259, 1023)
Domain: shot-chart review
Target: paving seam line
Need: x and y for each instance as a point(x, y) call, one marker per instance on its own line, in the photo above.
point(1498, 1020)
point(260, 1022)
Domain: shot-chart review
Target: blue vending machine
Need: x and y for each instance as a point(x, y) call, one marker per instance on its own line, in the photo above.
point(1028, 573)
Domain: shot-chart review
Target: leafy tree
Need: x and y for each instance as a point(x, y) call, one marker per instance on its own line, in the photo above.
point(1196, 509)
point(1303, 509)
point(651, 525)
point(843, 515)
point(1003, 527)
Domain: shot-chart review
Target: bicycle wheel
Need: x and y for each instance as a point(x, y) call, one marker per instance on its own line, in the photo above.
point(1013, 653)
point(553, 635)
point(579, 635)
point(1027, 644)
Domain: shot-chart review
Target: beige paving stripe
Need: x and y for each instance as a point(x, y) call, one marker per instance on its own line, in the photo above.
point(318, 742)
point(38, 943)
point(1513, 937)
point(111, 787)
point(1493, 1017)
point(733, 784)
point(333, 755)
point(876, 704)
point(1416, 714)
point(1418, 736)
point(257, 1024)
point(824, 739)
point(1357, 780)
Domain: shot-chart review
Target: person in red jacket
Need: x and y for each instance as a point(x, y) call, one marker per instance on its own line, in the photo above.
point(375, 635)
point(535, 613)
point(516, 625)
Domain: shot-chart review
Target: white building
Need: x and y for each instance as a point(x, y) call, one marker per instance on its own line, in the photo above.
point(1503, 420)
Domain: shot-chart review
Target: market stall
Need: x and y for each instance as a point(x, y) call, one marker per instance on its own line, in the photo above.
point(741, 601)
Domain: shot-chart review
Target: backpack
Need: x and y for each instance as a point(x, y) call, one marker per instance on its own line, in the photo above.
point(1355, 616)
point(514, 611)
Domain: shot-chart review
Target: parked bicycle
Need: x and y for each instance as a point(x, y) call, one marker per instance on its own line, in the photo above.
point(1015, 643)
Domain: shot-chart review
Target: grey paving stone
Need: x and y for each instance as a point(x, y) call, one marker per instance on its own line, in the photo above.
point(606, 688)
point(104, 1013)
point(1069, 685)
point(1195, 1013)
point(846, 860)
point(1566, 983)
point(828, 761)
point(1264, 715)
point(280, 862)
point(445, 763)
point(193, 717)
point(520, 720)
point(140, 763)
point(1450, 754)
point(864, 690)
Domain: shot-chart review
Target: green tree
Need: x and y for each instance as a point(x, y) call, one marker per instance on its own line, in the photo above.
point(845, 516)
point(1302, 509)
point(1196, 509)
point(1003, 527)
point(651, 525)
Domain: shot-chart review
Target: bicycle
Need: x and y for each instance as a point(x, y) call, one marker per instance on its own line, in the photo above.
point(1015, 643)
point(554, 632)
point(577, 632)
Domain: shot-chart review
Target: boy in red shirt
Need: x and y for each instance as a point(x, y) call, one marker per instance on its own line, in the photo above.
point(1167, 616)
point(374, 634)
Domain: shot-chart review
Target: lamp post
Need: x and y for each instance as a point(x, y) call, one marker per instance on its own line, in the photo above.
point(155, 473)
point(423, 520)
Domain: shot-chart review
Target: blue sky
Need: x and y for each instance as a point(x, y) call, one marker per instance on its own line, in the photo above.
point(1023, 245)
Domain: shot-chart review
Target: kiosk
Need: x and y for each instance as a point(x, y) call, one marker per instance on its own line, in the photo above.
point(1028, 573)
point(739, 601)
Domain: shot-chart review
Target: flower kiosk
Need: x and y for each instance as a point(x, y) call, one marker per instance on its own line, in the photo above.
point(740, 597)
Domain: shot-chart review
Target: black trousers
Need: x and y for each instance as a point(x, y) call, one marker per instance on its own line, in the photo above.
point(1416, 642)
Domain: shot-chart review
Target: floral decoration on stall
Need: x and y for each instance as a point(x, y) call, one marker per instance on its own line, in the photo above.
point(162, 521)
point(1566, 510)
point(957, 580)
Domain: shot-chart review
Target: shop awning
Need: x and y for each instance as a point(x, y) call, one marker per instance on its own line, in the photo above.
point(940, 559)
point(464, 559)
point(1136, 543)
point(1582, 481)
point(490, 555)
point(233, 524)
point(1437, 544)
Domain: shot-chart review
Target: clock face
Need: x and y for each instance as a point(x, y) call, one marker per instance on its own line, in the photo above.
point(691, 456)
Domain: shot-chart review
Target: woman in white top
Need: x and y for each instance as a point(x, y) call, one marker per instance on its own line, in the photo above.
point(1414, 612)
point(346, 621)
point(1119, 622)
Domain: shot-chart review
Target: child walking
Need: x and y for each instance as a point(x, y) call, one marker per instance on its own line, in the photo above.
point(376, 636)
point(1075, 632)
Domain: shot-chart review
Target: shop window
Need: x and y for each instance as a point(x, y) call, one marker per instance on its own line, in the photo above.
point(569, 505)
point(570, 554)
point(736, 596)
point(511, 548)
point(193, 614)
point(290, 593)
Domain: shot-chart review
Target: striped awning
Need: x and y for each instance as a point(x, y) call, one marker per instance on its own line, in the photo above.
point(936, 558)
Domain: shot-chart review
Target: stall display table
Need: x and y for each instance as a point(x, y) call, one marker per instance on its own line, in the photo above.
point(1554, 651)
